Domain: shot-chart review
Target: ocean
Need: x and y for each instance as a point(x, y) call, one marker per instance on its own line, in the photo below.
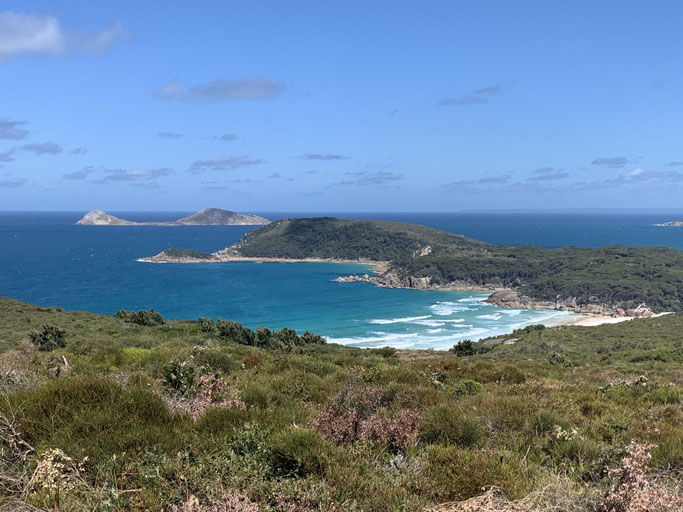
point(47, 260)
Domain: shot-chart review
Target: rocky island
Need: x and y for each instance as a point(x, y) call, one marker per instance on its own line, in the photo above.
point(205, 217)
point(603, 281)
point(676, 223)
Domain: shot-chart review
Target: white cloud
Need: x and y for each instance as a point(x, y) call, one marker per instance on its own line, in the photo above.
point(42, 34)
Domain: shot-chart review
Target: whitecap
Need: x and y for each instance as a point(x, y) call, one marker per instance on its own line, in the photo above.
point(447, 308)
point(407, 319)
point(494, 316)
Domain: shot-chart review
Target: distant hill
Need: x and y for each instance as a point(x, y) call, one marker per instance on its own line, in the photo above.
point(604, 280)
point(330, 238)
point(205, 217)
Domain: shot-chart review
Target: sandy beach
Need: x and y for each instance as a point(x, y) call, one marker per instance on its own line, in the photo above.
point(593, 320)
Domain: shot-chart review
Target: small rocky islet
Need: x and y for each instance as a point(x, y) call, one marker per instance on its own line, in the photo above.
point(205, 217)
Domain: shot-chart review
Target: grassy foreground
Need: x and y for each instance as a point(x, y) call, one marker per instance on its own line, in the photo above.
point(193, 416)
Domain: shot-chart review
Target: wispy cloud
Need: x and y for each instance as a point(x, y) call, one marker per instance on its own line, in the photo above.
point(12, 130)
point(43, 148)
point(476, 185)
point(42, 34)
point(615, 161)
point(548, 174)
point(79, 175)
point(6, 157)
point(674, 163)
point(170, 135)
point(133, 175)
point(12, 182)
point(226, 137)
point(224, 163)
point(323, 156)
point(364, 178)
point(78, 151)
point(247, 88)
point(478, 97)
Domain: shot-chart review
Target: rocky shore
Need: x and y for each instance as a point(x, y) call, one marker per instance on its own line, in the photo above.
point(512, 299)
point(506, 298)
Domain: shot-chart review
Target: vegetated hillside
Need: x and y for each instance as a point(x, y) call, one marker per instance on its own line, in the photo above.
point(349, 239)
point(134, 412)
point(615, 275)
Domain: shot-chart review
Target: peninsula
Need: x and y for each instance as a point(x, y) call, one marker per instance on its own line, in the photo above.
point(205, 217)
point(614, 280)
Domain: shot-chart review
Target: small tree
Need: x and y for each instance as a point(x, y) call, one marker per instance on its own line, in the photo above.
point(464, 348)
point(49, 338)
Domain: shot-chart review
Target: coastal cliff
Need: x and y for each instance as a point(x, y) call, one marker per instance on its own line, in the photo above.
point(205, 217)
point(602, 281)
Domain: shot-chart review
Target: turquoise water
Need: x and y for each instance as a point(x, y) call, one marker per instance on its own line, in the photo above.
point(46, 260)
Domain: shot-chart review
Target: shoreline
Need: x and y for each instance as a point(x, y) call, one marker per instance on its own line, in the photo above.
point(378, 265)
point(581, 318)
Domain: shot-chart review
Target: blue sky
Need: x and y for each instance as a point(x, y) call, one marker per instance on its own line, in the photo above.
point(344, 106)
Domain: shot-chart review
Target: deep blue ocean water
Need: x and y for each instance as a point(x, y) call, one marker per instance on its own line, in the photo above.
point(46, 260)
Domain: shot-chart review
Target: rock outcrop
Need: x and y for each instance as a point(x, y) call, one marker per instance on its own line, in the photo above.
point(101, 218)
point(677, 223)
point(512, 299)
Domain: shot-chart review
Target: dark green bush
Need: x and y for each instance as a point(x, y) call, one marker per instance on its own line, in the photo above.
point(49, 338)
point(468, 387)
point(145, 318)
point(207, 325)
point(464, 348)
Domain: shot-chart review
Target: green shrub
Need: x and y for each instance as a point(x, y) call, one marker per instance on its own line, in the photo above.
point(301, 452)
point(467, 388)
point(180, 377)
point(511, 374)
point(207, 325)
point(545, 421)
point(456, 474)
point(145, 318)
point(464, 348)
point(559, 359)
point(49, 338)
point(232, 331)
point(223, 422)
point(217, 360)
point(94, 417)
point(254, 395)
point(446, 424)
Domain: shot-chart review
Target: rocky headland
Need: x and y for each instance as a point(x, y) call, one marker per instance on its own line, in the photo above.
point(615, 281)
point(676, 223)
point(205, 217)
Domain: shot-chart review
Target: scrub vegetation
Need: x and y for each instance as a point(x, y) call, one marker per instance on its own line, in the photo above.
point(202, 416)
